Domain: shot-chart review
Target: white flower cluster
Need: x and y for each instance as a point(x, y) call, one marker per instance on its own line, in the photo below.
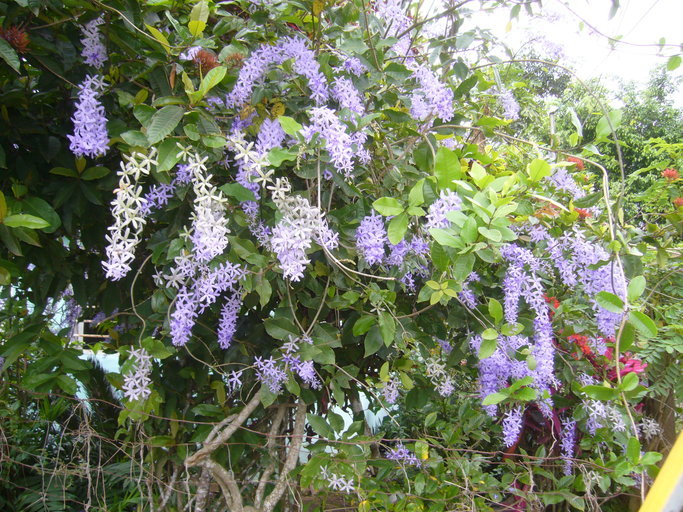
point(337, 483)
point(136, 384)
point(124, 234)
point(209, 223)
point(649, 428)
point(301, 224)
point(439, 377)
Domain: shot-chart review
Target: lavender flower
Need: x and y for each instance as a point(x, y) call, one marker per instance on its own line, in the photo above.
point(467, 295)
point(432, 97)
point(445, 346)
point(339, 144)
point(402, 455)
point(391, 389)
point(228, 321)
point(234, 381)
point(398, 252)
point(568, 444)
point(270, 374)
point(94, 53)
point(562, 180)
point(136, 384)
point(512, 426)
point(371, 236)
point(354, 66)
point(90, 136)
point(509, 103)
point(347, 95)
point(448, 201)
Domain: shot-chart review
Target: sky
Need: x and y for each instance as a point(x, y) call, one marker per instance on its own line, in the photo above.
point(586, 49)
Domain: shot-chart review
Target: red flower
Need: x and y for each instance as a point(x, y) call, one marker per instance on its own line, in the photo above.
point(582, 342)
point(578, 162)
point(670, 174)
point(17, 37)
point(583, 213)
point(678, 202)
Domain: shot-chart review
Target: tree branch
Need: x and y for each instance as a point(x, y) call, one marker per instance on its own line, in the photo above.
point(271, 448)
point(291, 460)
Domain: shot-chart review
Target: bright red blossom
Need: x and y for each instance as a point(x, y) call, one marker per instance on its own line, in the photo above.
point(678, 202)
point(670, 174)
point(578, 162)
point(583, 213)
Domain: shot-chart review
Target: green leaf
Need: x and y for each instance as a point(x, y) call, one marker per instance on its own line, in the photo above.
point(633, 450)
point(488, 347)
point(490, 334)
point(576, 121)
point(526, 394)
point(289, 125)
point(160, 37)
point(628, 336)
point(629, 382)
point(211, 80)
point(363, 324)
point(397, 228)
point(9, 55)
point(603, 128)
point(164, 122)
point(324, 355)
point(278, 155)
point(494, 398)
point(430, 419)
point(673, 63)
point(168, 155)
point(538, 169)
point(198, 17)
point(387, 206)
point(646, 327)
point(446, 168)
point(132, 138)
point(24, 220)
point(601, 393)
point(495, 310)
point(94, 173)
point(42, 209)
point(445, 238)
point(238, 192)
point(157, 349)
point(636, 288)
point(387, 327)
point(280, 328)
point(492, 234)
point(469, 232)
point(373, 341)
point(416, 196)
point(610, 302)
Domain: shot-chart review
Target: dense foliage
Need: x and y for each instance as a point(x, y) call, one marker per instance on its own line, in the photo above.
point(281, 219)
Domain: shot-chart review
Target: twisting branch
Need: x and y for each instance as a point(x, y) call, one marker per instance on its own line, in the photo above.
point(290, 462)
point(270, 448)
point(220, 435)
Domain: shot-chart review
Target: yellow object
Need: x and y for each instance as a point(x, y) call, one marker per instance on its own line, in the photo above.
point(666, 494)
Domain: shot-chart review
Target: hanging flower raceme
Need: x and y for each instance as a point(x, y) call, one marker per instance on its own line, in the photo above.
point(371, 236)
point(90, 136)
point(136, 383)
point(94, 52)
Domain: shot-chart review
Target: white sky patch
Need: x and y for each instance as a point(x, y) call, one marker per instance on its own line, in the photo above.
point(640, 24)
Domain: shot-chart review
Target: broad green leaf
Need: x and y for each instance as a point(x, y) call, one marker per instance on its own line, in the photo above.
point(538, 169)
point(44, 210)
point(3, 206)
point(643, 323)
point(168, 155)
point(488, 347)
point(280, 328)
point(9, 55)
point(131, 137)
point(212, 79)
point(601, 393)
point(526, 394)
point(633, 450)
point(277, 155)
point(495, 310)
point(445, 238)
point(489, 334)
point(94, 173)
point(469, 232)
point(610, 302)
point(238, 192)
point(24, 220)
point(160, 37)
point(164, 122)
point(416, 195)
point(397, 228)
point(673, 63)
point(494, 398)
point(629, 381)
point(603, 128)
point(636, 288)
point(576, 121)
point(289, 125)
point(446, 168)
point(387, 206)
point(363, 324)
point(387, 327)
point(373, 341)
point(430, 419)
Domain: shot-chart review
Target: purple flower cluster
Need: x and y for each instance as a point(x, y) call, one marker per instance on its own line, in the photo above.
point(339, 143)
point(256, 66)
point(227, 324)
point(193, 299)
point(371, 236)
point(512, 426)
point(467, 296)
point(347, 95)
point(568, 443)
point(270, 374)
point(94, 52)
point(270, 136)
point(90, 136)
point(432, 97)
point(354, 66)
point(403, 455)
point(562, 180)
point(438, 375)
point(448, 201)
point(136, 383)
point(446, 347)
point(509, 103)
point(304, 369)
point(390, 390)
